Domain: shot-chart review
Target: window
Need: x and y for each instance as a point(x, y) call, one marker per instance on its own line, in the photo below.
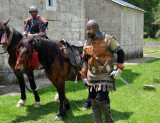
point(50, 2)
point(51, 5)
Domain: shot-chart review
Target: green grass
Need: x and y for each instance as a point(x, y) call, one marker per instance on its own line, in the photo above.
point(152, 40)
point(151, 52)
point(126, 105)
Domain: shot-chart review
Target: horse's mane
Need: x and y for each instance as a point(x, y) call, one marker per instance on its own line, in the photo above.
point(48, 52)
point(17, 37)
point(25, 42)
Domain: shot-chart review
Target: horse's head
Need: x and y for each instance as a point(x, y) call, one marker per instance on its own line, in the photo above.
point(3, 28)
point(25, 55)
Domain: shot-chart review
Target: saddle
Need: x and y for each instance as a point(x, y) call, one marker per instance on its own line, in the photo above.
point(74, 50)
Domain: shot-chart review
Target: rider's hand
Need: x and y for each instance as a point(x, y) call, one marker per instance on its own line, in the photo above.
point(117, 73)
point(25, 33)
point(84, 77)
point(31, 36)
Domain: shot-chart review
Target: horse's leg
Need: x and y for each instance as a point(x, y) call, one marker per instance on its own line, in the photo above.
point(20, 78)
point(30, 76)
point(64, 104)
point(57, 98)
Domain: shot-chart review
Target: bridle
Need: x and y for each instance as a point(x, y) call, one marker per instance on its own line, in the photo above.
point(27, 62)
point(8, 37)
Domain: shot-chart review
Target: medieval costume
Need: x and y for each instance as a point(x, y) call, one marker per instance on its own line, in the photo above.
point(98, 70)
point(35, 25)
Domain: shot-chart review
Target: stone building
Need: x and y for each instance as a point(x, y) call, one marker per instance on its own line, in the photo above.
point(67, 20)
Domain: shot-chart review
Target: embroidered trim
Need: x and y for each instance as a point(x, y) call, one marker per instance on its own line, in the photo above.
point(100, 86)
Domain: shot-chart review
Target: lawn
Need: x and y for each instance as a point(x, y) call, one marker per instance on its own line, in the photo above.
point(126, 105)
point(152, 40)
point(151, 52)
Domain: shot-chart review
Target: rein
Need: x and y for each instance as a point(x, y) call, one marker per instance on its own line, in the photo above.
point(31, 90)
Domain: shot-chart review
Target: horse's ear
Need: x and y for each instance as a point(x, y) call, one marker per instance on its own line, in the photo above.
point(5, 23)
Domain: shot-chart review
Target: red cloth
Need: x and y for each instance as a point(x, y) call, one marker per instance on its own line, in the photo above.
point(81, 55)
point(35, 61)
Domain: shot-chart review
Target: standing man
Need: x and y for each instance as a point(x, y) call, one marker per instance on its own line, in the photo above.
point(36, 24)
point(98, 69)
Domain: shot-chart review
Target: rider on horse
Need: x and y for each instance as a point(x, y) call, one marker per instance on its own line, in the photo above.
point(35, 24)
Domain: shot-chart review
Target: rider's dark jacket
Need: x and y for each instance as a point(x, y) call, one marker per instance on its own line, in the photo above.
point(35, 25)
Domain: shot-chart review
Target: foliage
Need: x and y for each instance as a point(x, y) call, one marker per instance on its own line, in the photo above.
point(151, 16)
point(126, 105)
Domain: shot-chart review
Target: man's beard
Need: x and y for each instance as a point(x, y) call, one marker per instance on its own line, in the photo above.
point(90, 35)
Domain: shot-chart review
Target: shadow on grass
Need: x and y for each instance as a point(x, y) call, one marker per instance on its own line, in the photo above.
point(34, 114)
point(117, 115)
point(158, 59)
point(129, 76)
point(88, 118)
point(37, 113)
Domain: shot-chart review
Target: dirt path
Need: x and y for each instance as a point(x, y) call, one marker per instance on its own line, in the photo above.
point(139, 60)
point(12, 90)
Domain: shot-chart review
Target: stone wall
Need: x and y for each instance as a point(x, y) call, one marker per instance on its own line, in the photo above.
point(107, 14)
point(125, 24)
point(151, 44)
point(132, 32)
point(67, 21)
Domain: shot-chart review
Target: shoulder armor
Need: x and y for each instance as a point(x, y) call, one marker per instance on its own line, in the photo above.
point(42, 20)
point(25, 21)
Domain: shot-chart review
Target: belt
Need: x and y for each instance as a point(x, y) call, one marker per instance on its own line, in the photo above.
point(99, 70)
point(100, 81)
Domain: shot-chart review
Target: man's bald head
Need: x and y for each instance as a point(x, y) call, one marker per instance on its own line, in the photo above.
point(93, 24)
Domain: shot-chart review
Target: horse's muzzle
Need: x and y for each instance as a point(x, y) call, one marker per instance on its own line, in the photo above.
point(20, 70)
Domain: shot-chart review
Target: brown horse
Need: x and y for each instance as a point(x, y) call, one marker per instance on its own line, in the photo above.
point(57, 67)
point(14, 37)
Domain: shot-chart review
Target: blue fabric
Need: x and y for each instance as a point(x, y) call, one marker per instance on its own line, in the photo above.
point(35, 26)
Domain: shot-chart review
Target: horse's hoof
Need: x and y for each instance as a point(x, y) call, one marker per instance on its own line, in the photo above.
point(37, 104)
point(21, 103)
point(58, 100)
point(84, 108)
point(58, 118)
